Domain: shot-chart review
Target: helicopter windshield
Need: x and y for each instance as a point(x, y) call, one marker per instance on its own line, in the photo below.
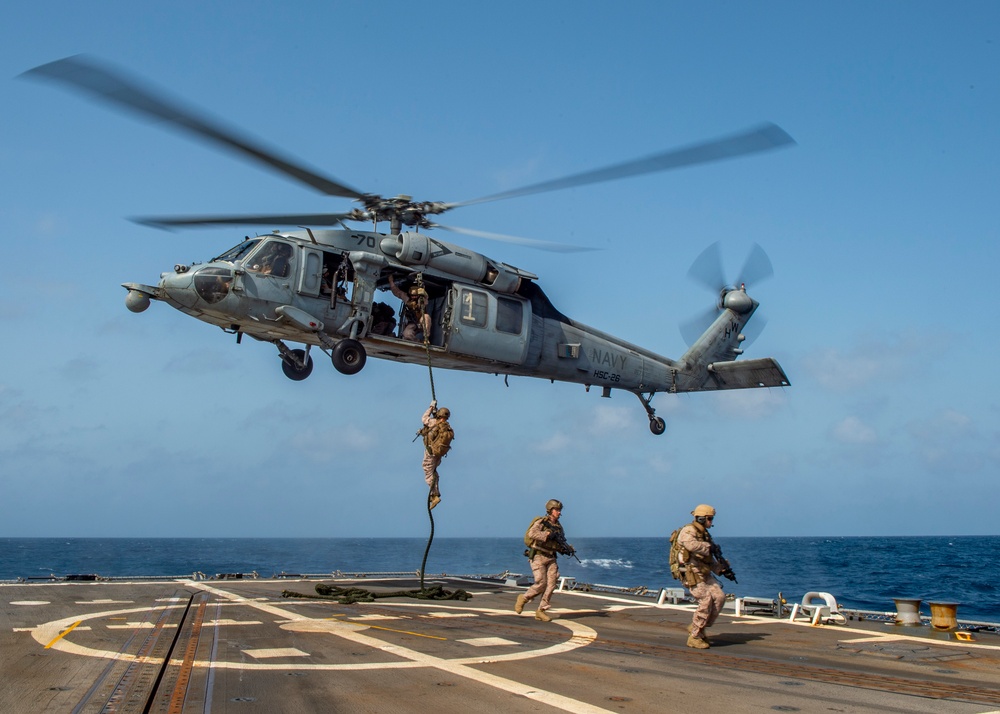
point(239, 252)
point(273, 258)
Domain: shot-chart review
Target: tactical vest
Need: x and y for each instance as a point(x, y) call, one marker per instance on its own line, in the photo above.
point(416, 304)
point(695, 567)
point(438, 438)
point(544, 547)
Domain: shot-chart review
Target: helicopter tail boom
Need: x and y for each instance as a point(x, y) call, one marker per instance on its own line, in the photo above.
point(710, 364)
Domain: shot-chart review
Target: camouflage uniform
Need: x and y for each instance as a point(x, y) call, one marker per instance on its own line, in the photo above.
point(431, 462)
point(544, 566)
point(699, 579)
point(413, 312)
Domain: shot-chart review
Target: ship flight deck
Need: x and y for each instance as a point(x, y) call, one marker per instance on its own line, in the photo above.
point(240, 645)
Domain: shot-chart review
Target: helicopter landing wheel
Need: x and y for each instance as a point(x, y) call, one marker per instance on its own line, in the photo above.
point(657, 425)
point(292, 370)
point(348, 356)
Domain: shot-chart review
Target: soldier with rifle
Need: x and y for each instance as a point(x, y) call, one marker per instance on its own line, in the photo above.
point(699, 558)
point(545, 539)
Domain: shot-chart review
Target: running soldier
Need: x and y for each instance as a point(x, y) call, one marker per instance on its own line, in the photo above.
point(545, 538)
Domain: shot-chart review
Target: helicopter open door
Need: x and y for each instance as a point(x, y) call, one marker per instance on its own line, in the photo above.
point(488, 325)
point(312, 271)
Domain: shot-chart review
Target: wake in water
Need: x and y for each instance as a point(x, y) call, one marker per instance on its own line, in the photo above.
point(607, 563)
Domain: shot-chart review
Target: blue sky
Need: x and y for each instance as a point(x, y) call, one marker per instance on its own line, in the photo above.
point(882, 225)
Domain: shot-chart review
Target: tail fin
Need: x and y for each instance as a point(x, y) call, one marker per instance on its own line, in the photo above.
point(710, 362)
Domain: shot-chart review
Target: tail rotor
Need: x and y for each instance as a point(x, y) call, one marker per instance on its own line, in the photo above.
point(707, 270)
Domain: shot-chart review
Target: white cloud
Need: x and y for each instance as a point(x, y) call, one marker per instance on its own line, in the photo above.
point(750, 403)
point(947, 425)
point(324, 445)
point(854, 431)
point(949, 442)
point(605, 420)
point(659, 464)
point(877, 358)
point(557, 442)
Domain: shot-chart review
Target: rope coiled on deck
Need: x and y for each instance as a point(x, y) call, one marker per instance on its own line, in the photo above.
point(351, 595)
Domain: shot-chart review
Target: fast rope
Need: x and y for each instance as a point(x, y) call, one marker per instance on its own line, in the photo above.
point(427, 337)
point(351, 595)
point(430, 373)
point(423, 563)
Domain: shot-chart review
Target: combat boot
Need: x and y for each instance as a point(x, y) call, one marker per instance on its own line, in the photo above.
point(542, 615)
point(519, 604)
point(435, 500)
point(697, 643)
point(704, 635)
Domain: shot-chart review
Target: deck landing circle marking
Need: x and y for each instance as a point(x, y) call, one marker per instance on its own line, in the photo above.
point(580, 636)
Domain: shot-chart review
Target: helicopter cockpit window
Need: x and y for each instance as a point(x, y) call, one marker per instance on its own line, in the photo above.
point(510, 316)
point(274, 258)
point(212, 284)
point(473, 308)
point(239, 252)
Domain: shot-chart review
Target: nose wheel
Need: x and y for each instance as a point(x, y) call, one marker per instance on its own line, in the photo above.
point(656, 424)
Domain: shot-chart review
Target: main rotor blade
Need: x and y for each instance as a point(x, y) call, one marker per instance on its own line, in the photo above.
point(757, 267)
point(707, 269)
point(528, 242)
point(764, 138)
point(293, 219)
point(109, 85)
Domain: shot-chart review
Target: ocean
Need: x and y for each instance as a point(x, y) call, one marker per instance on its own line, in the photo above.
point(861, 572)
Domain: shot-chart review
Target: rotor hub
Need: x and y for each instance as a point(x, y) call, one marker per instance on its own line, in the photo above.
point(738, 301)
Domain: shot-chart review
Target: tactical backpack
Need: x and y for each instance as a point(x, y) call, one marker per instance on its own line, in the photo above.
point(438, 439)
point(675, 549)
point(529, 552)
point(527, 539)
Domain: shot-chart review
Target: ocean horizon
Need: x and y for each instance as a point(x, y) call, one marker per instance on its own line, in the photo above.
point(861, 572)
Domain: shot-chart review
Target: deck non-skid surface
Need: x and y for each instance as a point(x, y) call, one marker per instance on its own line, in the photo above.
point(240, 646)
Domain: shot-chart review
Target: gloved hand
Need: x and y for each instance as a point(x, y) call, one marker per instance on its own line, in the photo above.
point(434, 403)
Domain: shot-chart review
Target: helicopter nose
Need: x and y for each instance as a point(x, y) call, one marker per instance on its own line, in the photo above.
point(179, 288)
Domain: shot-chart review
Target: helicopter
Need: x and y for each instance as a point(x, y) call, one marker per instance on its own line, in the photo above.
point(321, 285)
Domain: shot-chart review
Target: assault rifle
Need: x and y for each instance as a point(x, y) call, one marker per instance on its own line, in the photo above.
point(728, 569)
point(558, 540)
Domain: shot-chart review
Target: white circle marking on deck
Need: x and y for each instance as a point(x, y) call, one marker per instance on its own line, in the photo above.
point(581, 636)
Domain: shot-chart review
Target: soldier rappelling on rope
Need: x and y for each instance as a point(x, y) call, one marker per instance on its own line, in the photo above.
point(438, 435)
